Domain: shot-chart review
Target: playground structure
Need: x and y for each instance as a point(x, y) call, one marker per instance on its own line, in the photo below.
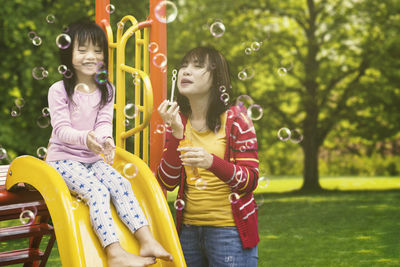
point(77, 242)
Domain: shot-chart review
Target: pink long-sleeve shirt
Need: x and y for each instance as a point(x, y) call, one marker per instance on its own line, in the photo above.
point(72, 122)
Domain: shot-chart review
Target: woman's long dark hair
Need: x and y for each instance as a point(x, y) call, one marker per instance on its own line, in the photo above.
point(219, 70)
point(81, 32)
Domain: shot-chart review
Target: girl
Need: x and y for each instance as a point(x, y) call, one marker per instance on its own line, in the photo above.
point(81, 109)
point(211, 154)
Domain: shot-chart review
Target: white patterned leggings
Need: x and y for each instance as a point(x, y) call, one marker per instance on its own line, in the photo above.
point(95, 183)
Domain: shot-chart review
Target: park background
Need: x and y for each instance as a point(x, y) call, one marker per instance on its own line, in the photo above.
point(331, 199)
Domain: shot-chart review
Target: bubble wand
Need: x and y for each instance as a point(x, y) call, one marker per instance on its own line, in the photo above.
point(174, 72)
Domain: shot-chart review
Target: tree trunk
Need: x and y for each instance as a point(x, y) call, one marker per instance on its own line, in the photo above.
point(310, 174)
point(310, 149)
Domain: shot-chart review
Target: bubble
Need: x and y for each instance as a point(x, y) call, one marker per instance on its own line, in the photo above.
point(100, 66)
point(68, 74)
point(62, 69)
point(63, 41)
point(282, 71)
point(242, 148)
point(244, 100)
point(259, 200)
point(130, 170)
point(284, 134)
point(101, 76)
point(27, 217)
point(160, 60)
point(233, 198)
point(249, 72)
point(247, 51)
point(217, 29)
point(255, 112)
point(224, 98)
point(166, 11)
point(31, 35)
point(241, 176)
point(200, 184)
point(160, 129)
point(136, 78)
point(263, 182)
point(153, 47)
point(37, 41)
point(222, 89)
point(46, 111)
point(65, 28)
point(15, 111)
point(179, 204)
point(126, 122)
point(19, 102)
point(296, 136)
point(287, 64)
point(39, 73)
point(250, 144)
point(229, 114)
point(74, 205)
point(43, 121)
point(120, 25)
point(242, 75)
point(131, 110)
point(41, 152)
point(50, 18)
point(110, 9)
point(3, 153)
point(82, 87)
point(255, 46)
point(79, 198)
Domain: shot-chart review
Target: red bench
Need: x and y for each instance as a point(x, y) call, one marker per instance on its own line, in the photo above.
point(12, 203)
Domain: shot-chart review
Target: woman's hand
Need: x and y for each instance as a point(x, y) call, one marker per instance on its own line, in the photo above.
point(92, 144)
point(196, 157)
point(109, 150)
point(171, 117)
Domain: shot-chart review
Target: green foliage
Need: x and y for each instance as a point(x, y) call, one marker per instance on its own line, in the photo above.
point(341, 56)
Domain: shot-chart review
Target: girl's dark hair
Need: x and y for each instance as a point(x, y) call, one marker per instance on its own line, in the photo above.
point(219, 70)
point(81, 32)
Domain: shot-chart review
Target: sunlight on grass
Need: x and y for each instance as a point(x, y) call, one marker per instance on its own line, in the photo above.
point(287, 184)
point(363, 237)
point(373, 183)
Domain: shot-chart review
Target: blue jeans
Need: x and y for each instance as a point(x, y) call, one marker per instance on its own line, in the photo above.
point(215, 247)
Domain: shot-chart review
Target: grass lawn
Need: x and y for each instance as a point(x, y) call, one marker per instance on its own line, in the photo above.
point(355, 223)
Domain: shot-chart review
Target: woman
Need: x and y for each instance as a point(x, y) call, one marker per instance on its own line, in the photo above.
point(211, 153)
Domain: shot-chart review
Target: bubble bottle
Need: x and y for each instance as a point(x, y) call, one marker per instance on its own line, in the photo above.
point(192, 173)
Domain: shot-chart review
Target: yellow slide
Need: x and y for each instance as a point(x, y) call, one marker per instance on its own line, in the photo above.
point(77, 243)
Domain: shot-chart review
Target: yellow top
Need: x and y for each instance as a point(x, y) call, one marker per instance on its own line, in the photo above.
point(206, 196)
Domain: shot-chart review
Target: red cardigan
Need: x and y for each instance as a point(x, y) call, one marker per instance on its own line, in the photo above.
point(238, 169)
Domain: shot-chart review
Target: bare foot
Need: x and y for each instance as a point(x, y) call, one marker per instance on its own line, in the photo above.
point(118, 257)
point(149, 247)
point(152, 248)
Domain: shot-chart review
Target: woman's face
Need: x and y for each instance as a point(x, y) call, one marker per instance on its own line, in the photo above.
point(194, 79)
point(85, 58)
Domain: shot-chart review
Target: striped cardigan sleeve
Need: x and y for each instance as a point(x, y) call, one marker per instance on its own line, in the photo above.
point(170, 168)
point(241, 171)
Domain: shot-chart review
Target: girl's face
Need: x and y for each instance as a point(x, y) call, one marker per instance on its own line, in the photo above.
point(194, 78)
point(85, 58)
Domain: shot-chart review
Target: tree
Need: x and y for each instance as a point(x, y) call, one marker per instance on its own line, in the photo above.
point(328, 49)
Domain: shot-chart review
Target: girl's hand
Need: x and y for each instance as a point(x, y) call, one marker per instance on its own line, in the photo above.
point(171, 117)
point(196, 157)
point(92, 144)
point(109, 150)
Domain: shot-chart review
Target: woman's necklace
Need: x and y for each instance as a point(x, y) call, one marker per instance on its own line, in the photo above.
point(199, 130)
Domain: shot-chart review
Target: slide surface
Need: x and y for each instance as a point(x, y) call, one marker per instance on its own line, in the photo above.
point(77, 242)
